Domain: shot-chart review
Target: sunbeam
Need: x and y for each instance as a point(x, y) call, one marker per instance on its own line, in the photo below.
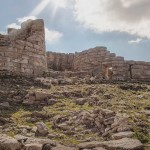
point(40, 8)
point(54, 5)
point(57, 4)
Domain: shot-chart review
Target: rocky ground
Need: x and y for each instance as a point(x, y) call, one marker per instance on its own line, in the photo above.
point(73, 114)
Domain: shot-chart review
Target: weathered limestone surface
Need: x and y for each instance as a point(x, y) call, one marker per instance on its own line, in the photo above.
point(22, 51)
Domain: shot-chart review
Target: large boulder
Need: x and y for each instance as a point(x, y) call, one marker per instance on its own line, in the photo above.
point(42, 128)
point(29, 143)
point(8, 143)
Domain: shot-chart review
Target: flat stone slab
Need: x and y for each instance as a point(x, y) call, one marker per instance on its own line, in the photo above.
point(61, 147)
point(120, 135)
point(122, 144)
point(99, 148)
point(89, 145)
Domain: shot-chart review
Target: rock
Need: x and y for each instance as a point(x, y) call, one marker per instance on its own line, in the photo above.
point(107, 113)
point(46, 147)
point(140, 96)
point(92, 79)
point(109, 121)
point(89, 145)
point(25, 127)
point(61, 147)
point(51, 101)
point(46, 82)
point(24, 131)
point(35, 97)
point(8, 143)
point(108, 96)
point(120, 135)
point(146, 112)
point(40, 95)
point(29, 99)
point(80, 101)
point(123, 127)
point(99, 148)
point(40, 141)
point(51, 136)
point(21, 138)
point(5, 104)
point(56, 135)
point(34, 129)
point(121, 123)
point(42, 115)
point(63, 127)
point(33, 146)
point(123, 144)
point(39, 144)
point(3, 121)
point(41, 128)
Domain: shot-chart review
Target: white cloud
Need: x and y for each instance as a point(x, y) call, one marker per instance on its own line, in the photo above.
point(13, 25)
point(3, 32)
point(52, 36)
point(19, 21)
point(128, 16)
point(128, 3)
point(136, 41)
point(23, 19)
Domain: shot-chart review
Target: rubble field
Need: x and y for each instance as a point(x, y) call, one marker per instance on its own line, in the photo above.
point(73, 114)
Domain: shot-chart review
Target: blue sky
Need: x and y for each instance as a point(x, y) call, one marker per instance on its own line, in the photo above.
point(123, 26)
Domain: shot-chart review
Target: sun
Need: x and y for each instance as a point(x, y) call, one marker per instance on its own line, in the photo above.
point(54, 4)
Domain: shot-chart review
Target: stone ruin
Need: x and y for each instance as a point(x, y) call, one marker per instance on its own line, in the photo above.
point(100, 62)
point(22, 52)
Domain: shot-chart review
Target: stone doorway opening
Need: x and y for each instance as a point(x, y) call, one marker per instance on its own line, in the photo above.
point(107, 71)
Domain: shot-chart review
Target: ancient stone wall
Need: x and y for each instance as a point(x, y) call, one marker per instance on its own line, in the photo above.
point(60, 61)
point(139, 70)
point(100, 62)
point(97, 61)
point(22, 51)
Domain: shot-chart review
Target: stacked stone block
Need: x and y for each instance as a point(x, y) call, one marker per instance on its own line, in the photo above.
point(22, 51)
point(139, 70)
point(97, 61)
